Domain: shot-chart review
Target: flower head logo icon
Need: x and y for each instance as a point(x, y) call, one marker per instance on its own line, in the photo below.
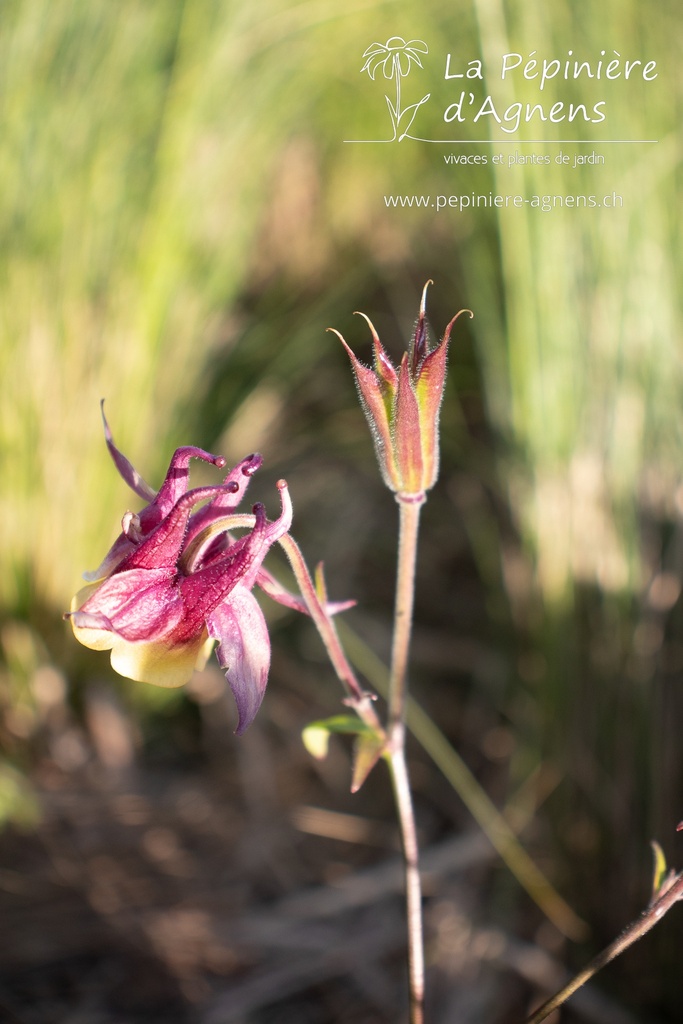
point(395, 58)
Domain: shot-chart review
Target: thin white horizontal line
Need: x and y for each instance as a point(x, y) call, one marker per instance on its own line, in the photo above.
point(510, 142)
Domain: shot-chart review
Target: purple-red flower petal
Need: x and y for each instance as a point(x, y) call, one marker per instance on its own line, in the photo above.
point(243, 651)
point(160, 503)
point(235, 486)
point(142, 604)
point(126, 468)
point(163, 545)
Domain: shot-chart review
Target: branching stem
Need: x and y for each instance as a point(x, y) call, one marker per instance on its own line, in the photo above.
point(671, 892)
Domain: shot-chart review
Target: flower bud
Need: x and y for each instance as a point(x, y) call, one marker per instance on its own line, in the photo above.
point(402, 407)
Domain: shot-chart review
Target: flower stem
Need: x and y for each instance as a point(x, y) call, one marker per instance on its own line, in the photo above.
point(360, 701)
point(403, 608)
point(398, 685)
point(413, 888)
point(671, 892)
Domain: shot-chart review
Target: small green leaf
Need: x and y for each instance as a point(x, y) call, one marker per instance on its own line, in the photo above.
point(660, 871)
point(316, 736)
point(316, 741)
point(320, 587)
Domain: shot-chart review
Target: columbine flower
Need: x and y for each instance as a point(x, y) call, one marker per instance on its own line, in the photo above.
point(175, 581)
point(402, 407)
point(394, 57)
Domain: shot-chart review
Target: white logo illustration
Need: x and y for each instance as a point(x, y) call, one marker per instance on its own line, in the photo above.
point(395, 58)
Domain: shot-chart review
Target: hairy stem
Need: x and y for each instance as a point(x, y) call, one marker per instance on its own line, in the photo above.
point(413, 887)
point(398, 685)
point(403, 609)
point(671, 892)
point(360, 701)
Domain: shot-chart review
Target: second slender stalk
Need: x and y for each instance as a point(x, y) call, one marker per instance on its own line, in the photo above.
point(403, 620)
point(409, 524)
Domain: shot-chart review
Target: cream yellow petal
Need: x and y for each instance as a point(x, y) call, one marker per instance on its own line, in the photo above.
point(204, 653)
point(92, 637)
point(156, 663)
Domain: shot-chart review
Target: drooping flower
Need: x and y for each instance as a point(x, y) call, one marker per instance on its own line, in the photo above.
point(175, 581)
point(402, 407)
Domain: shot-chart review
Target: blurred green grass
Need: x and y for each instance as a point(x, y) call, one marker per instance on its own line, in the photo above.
point(160, 162)
point(180, 222)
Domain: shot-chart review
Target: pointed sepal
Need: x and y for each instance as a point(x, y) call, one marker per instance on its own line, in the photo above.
point(378, 414)
point(407, 435)
point(402, 407)
point(368, 749)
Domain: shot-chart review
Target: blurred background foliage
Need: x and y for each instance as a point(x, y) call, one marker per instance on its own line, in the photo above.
point(180, 222)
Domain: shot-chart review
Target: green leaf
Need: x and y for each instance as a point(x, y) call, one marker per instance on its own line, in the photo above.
point(316, 736)
point(316, 741)
point(660, 870)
